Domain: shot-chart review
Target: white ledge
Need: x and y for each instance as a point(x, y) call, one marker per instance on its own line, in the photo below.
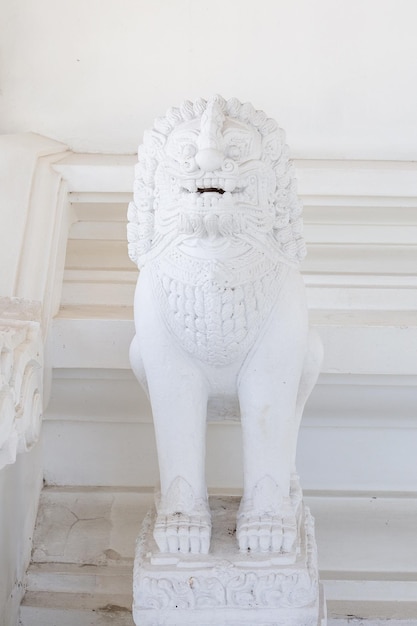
point(115, 173)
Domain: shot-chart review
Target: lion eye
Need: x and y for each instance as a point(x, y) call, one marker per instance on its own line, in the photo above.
point(188, 151)
point(234, 152)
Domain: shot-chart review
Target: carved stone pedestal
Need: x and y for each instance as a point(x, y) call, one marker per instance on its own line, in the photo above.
point(227, 587)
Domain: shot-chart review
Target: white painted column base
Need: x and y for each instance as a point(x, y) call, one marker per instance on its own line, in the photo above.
point(226, 587)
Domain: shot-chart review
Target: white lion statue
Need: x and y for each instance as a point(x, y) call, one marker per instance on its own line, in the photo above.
point(220, 314)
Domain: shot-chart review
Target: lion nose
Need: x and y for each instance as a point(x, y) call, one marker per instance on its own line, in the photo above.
point(209, 159)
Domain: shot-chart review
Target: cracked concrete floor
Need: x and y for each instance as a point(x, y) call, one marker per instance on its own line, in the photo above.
point(88, 526)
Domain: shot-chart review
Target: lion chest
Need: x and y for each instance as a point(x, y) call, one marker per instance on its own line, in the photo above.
point(216, 311)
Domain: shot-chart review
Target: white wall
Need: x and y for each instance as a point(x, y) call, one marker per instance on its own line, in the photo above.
point(340, 76)
point(20, 486)
point(23, 224)
point(32, 226)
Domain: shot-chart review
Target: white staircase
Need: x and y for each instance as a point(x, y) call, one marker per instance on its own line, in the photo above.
point(359, 435)
point(82, 561)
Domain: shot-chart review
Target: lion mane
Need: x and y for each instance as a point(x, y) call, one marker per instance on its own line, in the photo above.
point(282, 217)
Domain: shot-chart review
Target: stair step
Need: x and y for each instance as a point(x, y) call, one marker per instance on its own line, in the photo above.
point(84, 542)
point(63, 609)
point(98, 290)
point(89, 526)
point(79, 578)
point(385, 341)
point(82, 560)
point(97, 254)
point(95, 311)
point(359, 257)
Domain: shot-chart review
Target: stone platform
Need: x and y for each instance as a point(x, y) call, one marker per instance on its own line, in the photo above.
point(226, 587)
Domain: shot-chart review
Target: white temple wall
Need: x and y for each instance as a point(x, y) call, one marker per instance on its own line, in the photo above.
point(20, 486)
point(339, 77)
point(31, 226)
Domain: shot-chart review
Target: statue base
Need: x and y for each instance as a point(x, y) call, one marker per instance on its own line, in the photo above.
point(227, 587)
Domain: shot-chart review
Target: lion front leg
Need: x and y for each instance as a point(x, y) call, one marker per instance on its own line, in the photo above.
point(267, 517)
point(178, 394)
point(179, 405)
point(268, 389)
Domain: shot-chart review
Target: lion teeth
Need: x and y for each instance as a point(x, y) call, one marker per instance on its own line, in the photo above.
point(220, 184)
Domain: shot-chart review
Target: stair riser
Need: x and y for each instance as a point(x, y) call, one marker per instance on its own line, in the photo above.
point(383, 346)
point(34, 616)
point(85, 292)
point(113, 454)
point(97, 293)
point(79, 583)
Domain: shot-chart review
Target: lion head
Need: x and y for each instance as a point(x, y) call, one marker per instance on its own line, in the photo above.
point(214, 170)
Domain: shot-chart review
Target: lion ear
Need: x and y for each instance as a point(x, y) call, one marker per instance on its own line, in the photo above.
point(271, 147)
point(154, 140)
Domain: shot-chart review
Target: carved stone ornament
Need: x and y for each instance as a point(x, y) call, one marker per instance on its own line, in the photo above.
point(21, 376)
point(226, 587)
point(221, 317)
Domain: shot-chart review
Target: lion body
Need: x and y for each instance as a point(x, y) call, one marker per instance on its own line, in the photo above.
point(220, 312)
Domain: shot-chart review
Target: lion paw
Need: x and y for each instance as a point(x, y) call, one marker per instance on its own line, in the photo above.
point(266, 533)
point(183, 522)
point(267, 521)
point(181, 532)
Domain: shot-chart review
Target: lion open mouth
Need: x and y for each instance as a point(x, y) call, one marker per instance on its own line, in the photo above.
point(207, 185)
point(210, 190)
